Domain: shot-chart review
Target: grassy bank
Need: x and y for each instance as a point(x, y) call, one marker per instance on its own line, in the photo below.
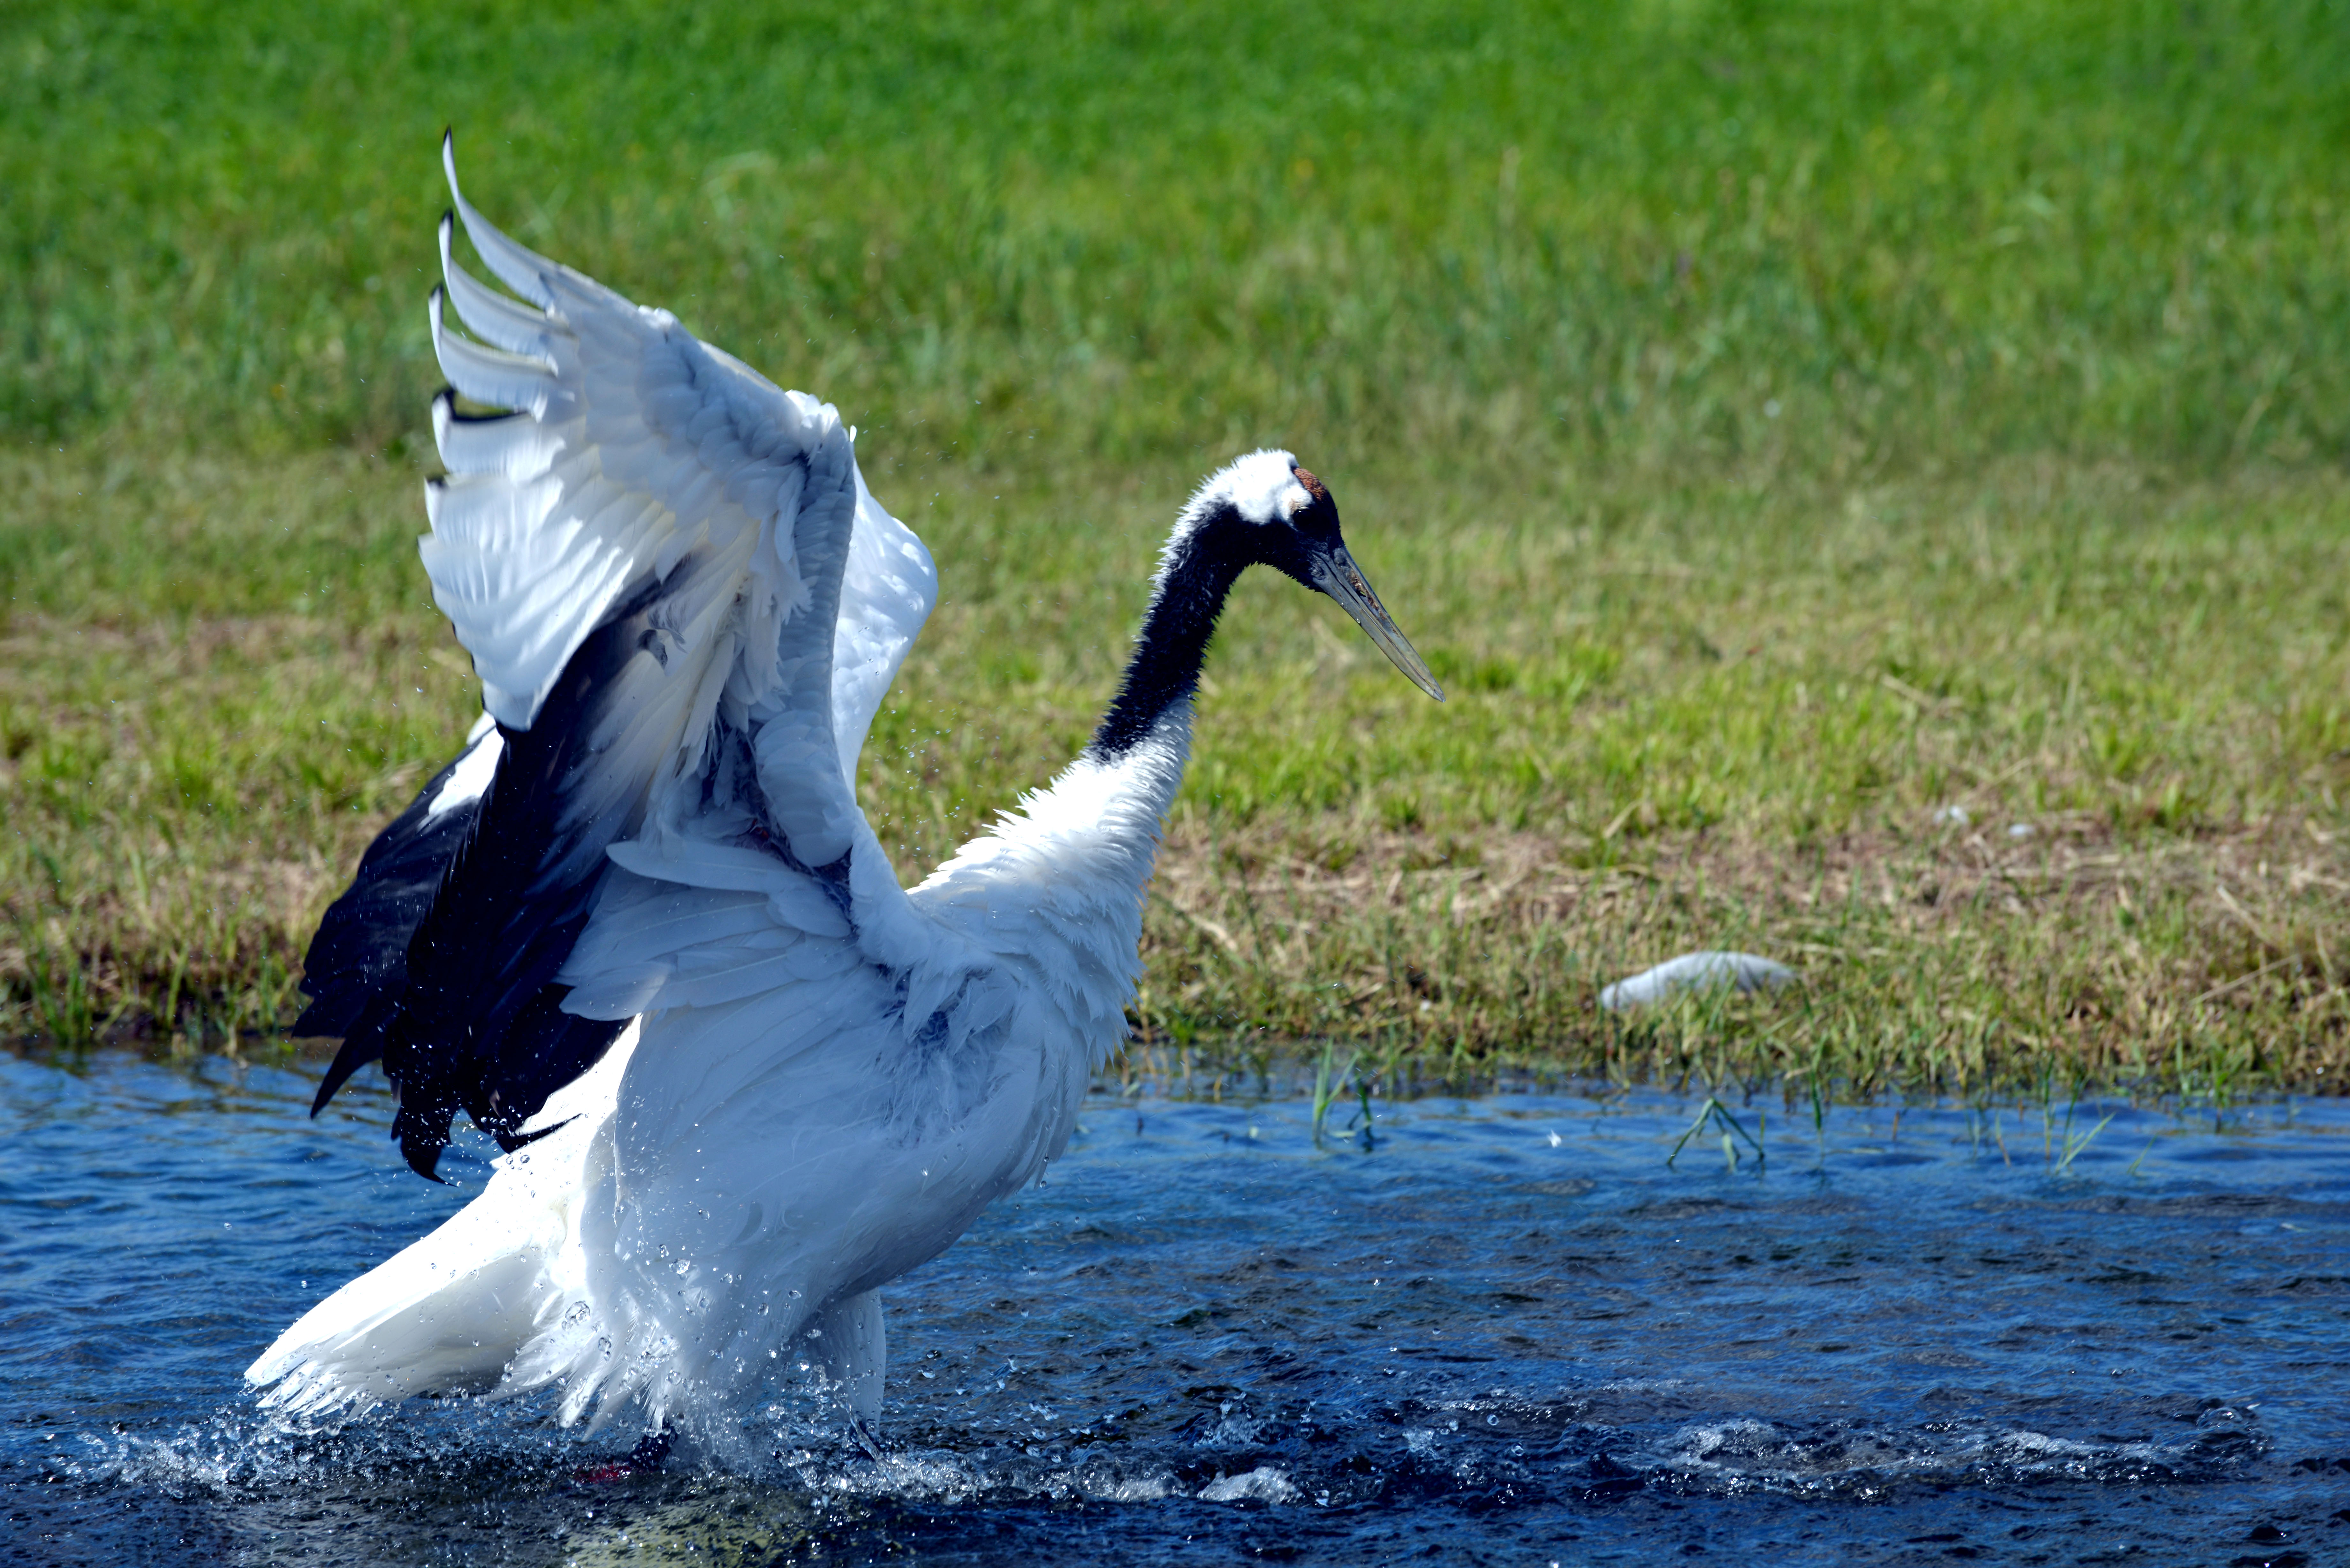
point(1713, 716)
point(1777, 425)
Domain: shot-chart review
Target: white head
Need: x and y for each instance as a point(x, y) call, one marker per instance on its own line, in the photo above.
point(1265, 509)
point(1265, 486)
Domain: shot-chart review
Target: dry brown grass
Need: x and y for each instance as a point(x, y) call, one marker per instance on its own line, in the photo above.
point(1954, 962)
point(1950, 960)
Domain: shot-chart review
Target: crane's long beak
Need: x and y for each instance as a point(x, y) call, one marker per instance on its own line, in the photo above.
point(1335, 574)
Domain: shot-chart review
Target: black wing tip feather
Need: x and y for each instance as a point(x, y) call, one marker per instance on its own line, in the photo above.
point(329, 1015)
point(443, 955)
point(362, 1043)
point(558, 1049)
point(512, 1141)
point(347, 1061)
point(446, 400)
point(480, 1026)
point(423, 1133)
point(356, 965)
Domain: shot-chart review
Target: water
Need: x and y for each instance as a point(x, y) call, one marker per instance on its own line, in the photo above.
point(1506, 1333)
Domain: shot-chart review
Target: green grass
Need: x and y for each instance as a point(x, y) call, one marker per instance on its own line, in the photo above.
point(1596, 234)
point(1776, 424)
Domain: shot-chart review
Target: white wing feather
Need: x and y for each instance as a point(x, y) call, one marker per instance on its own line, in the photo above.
point(633, 444)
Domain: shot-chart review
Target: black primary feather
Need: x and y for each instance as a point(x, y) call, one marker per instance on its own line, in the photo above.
point(480, 1026)
point(357, 962)
point(469, 1017)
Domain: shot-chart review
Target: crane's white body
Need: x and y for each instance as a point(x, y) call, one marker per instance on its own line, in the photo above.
point(726, 1191)
point(828, 1077)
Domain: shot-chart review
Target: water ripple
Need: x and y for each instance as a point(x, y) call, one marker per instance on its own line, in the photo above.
point(1508, 1331)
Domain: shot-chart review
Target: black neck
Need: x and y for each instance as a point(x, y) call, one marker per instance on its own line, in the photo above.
point(1165, 669)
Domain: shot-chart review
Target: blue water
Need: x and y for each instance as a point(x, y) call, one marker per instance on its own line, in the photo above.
point(1505, 1333)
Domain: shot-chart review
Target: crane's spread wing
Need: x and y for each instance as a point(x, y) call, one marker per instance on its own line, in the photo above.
point(684, 606)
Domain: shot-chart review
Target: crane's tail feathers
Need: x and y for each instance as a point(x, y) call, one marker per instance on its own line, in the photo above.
point(429, 1321)
point(452, 1312)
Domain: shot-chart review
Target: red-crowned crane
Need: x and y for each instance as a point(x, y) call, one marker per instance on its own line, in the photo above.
point(640, 932)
